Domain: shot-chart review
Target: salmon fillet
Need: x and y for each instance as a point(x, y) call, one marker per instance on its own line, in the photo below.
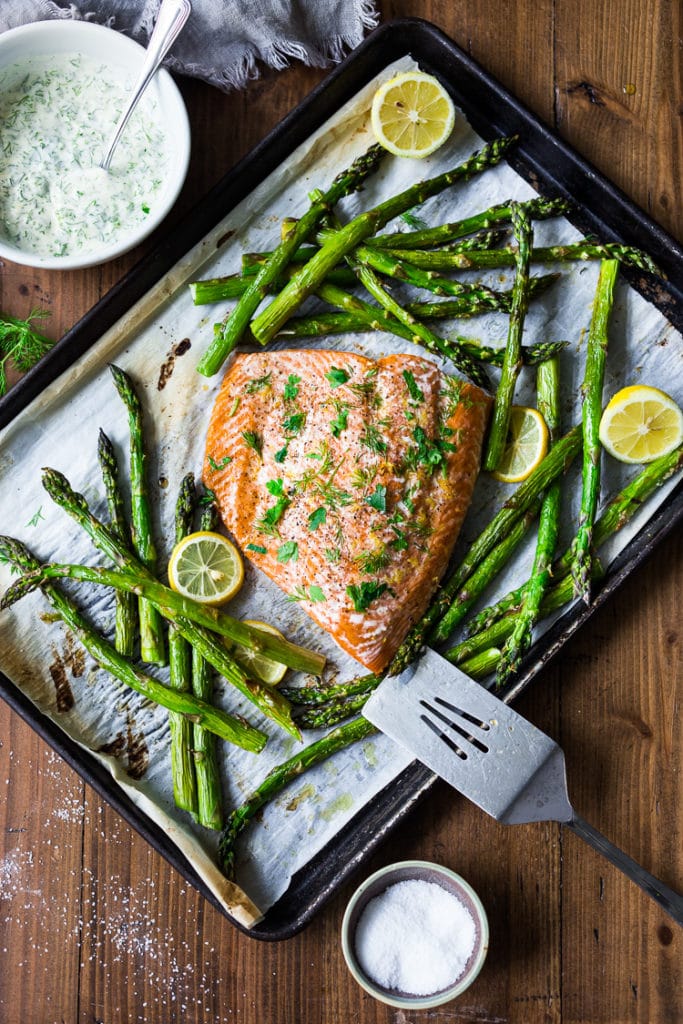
point(347, 480)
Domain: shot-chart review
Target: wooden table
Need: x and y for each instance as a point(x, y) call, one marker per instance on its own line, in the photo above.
point(95, 927)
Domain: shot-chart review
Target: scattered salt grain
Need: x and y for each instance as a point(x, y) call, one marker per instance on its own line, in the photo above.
point(415, 937)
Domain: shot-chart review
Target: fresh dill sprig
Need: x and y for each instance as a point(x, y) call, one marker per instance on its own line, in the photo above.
point(254, 441)
point(21, 344)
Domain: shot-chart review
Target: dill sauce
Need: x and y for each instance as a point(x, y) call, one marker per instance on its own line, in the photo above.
point(57, 115)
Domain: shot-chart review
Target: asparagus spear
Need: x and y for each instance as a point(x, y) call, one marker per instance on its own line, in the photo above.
point(591, 390)
point(226, 339)
point(485, 240)
point(520, 640)
point(278, 778)
point(419, 331)
point(209, 795)
point(616, 514)
point(374, 318)
point(152, 647)
point(126, 604)
point(232, 286)
point(326, 715)
point(512, 361)
point(180, 672)
point(524, 497)
point(232, 729)
point(456, 259)
point(384, 261)
point(309, 696)
point(134, 574)
point(537, 209)
point(307, 280)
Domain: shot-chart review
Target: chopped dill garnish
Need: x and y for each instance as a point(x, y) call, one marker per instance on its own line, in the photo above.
point(372, 562)
point(258, 384)
point(364, 476)
point(314, 593)
point(332, 554)
point(254, 441)
point(372, 439)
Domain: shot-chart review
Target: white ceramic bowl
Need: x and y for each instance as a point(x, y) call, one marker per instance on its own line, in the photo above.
point(123, 57)
point(428, 872)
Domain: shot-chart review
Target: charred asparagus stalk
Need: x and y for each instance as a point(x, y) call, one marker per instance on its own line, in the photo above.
point(233, 730)
point(152, 646)
point(180, 672)
point(225, 339)
point(512, 361)
point(591, 411)
point(125, 633)
point(307, 280)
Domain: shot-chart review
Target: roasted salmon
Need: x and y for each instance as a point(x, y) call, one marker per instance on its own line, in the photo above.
point(346, 480)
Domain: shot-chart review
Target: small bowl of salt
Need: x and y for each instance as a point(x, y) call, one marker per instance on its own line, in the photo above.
point(415, 935)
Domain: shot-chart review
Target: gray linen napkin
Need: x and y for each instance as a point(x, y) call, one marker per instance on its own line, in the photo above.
point(224, 40)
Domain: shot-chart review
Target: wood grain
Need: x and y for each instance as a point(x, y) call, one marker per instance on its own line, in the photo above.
point(96, 927)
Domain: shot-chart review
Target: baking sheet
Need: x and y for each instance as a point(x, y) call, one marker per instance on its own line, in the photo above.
point(54, 431)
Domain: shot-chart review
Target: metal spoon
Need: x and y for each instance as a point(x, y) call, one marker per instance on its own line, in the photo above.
point(172, 16)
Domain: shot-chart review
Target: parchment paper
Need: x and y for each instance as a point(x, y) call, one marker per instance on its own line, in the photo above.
point(60, 429)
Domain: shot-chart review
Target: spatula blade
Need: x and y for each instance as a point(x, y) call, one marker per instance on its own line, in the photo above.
point(474, 741)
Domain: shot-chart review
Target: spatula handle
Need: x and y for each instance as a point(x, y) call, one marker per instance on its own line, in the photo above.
point(670, 901)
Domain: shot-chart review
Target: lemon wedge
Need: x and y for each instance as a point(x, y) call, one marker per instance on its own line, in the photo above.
point(412, 114)
point(206, 567)
point(641, 423)
point(525, 446)
point(267, 670)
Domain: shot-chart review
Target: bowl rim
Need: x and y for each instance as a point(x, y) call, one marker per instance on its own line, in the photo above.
point(404, 869)
point(119, 45)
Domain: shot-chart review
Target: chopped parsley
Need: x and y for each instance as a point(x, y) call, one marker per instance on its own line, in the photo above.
point(281, 455)
point(341, 420)
point(426, 452)
point(366, 593)
point(294, 424)
point(400, 543)
point(378, 499)
point(291, 391)
point(337, 376)
point(272, 516)
point(215, 466)
point(254, 441)
point(415, 392)
point(258, 384)
point(258, 548)
point(314, 593)
point(288, 552)
point(317, 518)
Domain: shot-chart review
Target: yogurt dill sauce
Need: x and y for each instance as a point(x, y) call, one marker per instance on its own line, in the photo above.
point(57, 115)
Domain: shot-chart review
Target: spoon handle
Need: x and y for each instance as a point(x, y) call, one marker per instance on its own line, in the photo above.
point(172, 16)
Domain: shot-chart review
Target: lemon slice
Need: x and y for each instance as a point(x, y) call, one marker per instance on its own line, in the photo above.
point(641, 423)
point(206, 567)
point(525, 446)
point(412, 114)
point(268, 671)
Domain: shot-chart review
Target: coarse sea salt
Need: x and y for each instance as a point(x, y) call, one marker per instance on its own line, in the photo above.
point(415, 937)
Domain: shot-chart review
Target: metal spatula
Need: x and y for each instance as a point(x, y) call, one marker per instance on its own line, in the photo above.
point(491, 755)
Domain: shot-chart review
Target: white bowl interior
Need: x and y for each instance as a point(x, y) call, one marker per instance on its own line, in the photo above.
point(124, 57)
